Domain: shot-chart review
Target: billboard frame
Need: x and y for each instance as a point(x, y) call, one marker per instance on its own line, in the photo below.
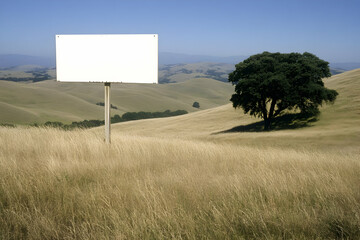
point(107, 58)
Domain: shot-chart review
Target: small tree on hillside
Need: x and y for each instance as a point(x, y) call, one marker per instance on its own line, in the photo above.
point(196, 105)
point(267, 84)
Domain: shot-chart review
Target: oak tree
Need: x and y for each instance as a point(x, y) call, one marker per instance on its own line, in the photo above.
point(267, 84)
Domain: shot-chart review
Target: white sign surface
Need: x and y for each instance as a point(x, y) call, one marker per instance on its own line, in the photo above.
point(126, 58)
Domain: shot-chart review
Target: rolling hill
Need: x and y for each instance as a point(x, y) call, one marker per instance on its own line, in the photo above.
point(338, 124)
point(26, 103)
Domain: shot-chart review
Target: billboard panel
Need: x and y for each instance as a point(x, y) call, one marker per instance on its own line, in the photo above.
point(126, 58)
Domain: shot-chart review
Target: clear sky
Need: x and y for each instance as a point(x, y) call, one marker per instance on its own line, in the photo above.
point(328, 28)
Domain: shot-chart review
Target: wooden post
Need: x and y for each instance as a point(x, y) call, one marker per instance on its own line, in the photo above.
point(107, 113)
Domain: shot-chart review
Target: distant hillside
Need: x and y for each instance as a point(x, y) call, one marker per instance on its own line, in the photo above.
point(181, 72)
point(26, 103)
point(27, 73)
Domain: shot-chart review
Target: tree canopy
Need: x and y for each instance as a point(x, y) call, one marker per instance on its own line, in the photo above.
point(267, 84)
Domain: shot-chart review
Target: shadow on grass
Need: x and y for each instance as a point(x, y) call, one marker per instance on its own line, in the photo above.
point(288, 121)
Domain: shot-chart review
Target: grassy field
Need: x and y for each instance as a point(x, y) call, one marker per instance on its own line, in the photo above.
point(205, 175)
point(70, 185)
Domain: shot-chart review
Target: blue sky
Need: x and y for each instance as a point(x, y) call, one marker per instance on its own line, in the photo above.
point(330, 29)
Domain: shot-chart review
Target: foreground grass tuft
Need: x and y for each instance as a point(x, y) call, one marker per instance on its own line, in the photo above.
point(70, 185)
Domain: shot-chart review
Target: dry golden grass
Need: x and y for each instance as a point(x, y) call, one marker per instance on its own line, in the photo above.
point(70, 185)
point(187, 177)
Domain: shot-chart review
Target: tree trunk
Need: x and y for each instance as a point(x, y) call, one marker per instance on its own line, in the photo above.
point(267, 124)
point(267, 119)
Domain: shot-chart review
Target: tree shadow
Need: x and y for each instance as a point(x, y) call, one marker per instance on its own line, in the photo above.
point(288, 121)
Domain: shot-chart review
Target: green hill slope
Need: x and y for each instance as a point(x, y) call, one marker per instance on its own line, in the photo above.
point(25, 103)
point(338, 124)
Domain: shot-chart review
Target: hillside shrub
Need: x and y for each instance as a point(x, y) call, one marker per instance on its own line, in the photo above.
point(196, 105)
point(54, 124)
point(103, 104)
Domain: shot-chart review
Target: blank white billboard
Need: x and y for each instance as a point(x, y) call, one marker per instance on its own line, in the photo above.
point(124, 58)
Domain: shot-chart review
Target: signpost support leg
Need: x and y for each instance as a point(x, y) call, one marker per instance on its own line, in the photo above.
point(107, 113)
